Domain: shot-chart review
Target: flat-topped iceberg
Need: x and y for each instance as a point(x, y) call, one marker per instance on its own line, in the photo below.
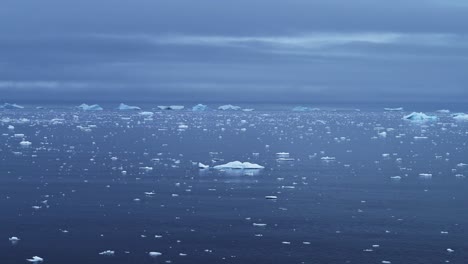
point(419, 117)
point(11, 106)
point(460, 116)
point(171, 107)
point(200, 107)
point(237, 165)
point(393, 109)
point(304, 109)
point(123, 106)
point(94, 107)
point(146, 114)
point(229, 107)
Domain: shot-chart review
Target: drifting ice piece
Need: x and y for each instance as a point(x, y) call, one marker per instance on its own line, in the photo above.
point(239, 166)
point(11, 106)
point(394, 109)
point(460, 116)
point(200, 107)
point(123, 106)
point(171, 107)
point(35, 259)
point(203, 166)
point(93, 107)
point(419, 117)
point(229, 107)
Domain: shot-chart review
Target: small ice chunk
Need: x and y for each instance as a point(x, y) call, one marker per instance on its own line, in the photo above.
point(94, 107)
point(107, 253)
point(229, 107)
point(200, 107)
point(203, 166)
point(35, 259)
point(123, 106)
point(419, 117)
point(155, 254)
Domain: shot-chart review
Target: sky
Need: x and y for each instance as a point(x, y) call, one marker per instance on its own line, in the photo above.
point(239, 51)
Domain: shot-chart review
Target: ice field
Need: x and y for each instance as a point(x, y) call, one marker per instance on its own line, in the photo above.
point(220, 184)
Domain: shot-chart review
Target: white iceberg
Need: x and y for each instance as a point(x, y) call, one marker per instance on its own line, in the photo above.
point(155, 254)
point(11, 106)
point(203, 166)
point(443, 111)
point(460, 116)
point(394, 109)
point(14, 240)
point(35, 259)
point(200, 107)
point(107, 253)
point(25, 143)
point(229, 107)
point(171, 107)
point(147, 114)
point(94, 107)
point(301, 109)
point(123, 106)
point(237, 165)
point(419, 117)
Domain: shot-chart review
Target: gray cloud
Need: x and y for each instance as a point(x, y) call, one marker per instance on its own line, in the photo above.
point(245, 50)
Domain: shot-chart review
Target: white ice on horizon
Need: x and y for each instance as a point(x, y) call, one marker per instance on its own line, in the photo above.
point(123, 106)
point(229, 107)
point(94, 107)
point(171, 107)
point(11, 106)
point(419, 117)
point(239, 165)
point(199, 107)
point(460, 116)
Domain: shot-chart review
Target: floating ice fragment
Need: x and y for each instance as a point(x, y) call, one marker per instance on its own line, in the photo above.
point(35, 259)
point(107, 253)
point(394, 109)
point(239, 165)
point(203, 166)
point(14, 240)
point(93, 107)
point(171, 107)
point(229, 107)
point(460, 116)
point(200, 107)
point(11, 106)
point(154, 254)
point(123, 106)
point(419, 117)
point(25, 143)
point(271, 197)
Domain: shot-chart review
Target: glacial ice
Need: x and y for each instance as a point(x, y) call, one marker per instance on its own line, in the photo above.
point(301, 109)
point(11, 106)
point(123, 106)
point(35, 259)
point(460, 116)
point(200, 107)
point(239, 165)
point(419, 117)
point(154, 254)
point(94, 107)
point(171, 107)
point(107, 253)
point(394, 109)
point(229, 107)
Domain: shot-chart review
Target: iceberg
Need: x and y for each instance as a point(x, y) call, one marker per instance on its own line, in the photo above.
point(237, 165)
point(11, 106)
point(35, 259)
point(171, 107)
point(123, 106)
point(229, 107)
point(460, 116)
point(301, 109)
point(147, 114)
point(203, 166)
point(394, 109)
point(443, 111)
point(107, 253)
point(419, 117)
point(94, 107)
point(200, 107)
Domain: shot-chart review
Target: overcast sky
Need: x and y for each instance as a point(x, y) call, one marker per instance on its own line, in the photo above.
point(242, 50)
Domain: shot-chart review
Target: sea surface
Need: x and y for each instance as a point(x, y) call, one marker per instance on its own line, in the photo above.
point(359, 185)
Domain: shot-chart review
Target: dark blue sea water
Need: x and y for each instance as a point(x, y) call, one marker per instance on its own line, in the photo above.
point(116, 180)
